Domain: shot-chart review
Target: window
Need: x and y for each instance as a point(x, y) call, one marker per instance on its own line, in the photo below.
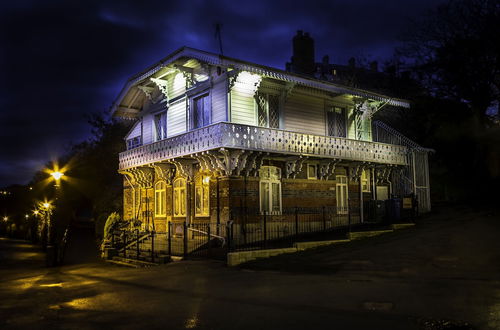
point(201, 111)
point(180, 197)
point(270, 190)
point(312, 171)
point(336, 121)
point(160, 126)
point(267, 110)
point(341, 192)
point(365, 181)
point(202, 197)
point(160, 199)
point(134, 142)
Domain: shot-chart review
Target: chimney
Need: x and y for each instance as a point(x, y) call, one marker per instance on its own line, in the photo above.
point(352, 62)
point(303, 54)
point(326, 60)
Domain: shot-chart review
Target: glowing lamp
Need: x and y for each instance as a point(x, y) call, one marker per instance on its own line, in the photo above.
point(57, 175)
point(46, 205)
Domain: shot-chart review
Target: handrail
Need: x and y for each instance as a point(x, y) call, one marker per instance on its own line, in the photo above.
point(137, 241)
point(206, 233)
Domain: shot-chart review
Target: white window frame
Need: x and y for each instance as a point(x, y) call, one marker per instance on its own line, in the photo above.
point(163, 119)
point(342, 183)
point(180, 187)
point(160, 199)
point(256, 109)
point(267, 176)
point(202, 185)
point(192, 98)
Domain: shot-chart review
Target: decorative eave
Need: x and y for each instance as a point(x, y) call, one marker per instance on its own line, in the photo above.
point(224, 61)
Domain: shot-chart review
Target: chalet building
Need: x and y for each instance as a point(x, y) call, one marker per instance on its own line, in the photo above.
point(218, 139)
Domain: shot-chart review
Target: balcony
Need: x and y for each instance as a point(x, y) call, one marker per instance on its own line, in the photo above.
point(236, 136)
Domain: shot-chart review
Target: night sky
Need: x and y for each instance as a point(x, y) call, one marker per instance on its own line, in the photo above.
point(62, 59)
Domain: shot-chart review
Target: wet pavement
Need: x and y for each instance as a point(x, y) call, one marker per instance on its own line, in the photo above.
point(437, 276)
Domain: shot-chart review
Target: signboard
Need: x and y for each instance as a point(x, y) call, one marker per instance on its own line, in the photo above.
point(407, 203)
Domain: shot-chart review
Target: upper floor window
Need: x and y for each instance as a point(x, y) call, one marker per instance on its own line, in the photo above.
point(160, 123)
point(160, 199)
point(134, 142)
point(336, 121)
point(268, 110)
point(270, 190)
point(201, 111)
point(202, 198)
point(180, 197)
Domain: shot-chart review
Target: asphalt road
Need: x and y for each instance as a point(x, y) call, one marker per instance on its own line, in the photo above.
point(445, 270)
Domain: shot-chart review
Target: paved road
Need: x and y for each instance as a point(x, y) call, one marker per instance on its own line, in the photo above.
point(394, 282)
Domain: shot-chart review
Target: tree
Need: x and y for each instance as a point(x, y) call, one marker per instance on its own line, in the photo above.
point(456, 53)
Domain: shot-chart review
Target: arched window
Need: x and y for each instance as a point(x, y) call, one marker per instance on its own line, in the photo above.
point(270, 189)
point(160, 199)
point(202, 198)
point(180, 197)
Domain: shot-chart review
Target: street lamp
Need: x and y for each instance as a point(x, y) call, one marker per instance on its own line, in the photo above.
point(57, 175)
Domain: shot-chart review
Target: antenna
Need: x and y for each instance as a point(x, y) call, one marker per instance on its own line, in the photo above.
point(218, 28)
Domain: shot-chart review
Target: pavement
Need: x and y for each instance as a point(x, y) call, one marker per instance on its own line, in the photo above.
point(443, 274)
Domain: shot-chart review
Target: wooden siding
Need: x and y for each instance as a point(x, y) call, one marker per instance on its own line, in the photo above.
point(176, 118)
point(219, 100)
point(176, 85)
point(147, 129)
point(134, 131)
point(306, 114)
point(242, 108)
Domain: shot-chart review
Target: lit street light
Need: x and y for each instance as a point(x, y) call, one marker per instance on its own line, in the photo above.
point(57, 175)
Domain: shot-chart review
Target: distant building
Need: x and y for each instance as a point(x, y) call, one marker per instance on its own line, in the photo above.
point(218, 139)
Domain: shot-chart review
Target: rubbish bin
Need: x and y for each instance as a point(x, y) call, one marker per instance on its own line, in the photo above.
point(393, 209)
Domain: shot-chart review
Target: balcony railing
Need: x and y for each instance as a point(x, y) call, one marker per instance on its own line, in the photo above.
point(237, 136)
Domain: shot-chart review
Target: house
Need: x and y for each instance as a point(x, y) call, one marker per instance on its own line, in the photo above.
point(217, 139)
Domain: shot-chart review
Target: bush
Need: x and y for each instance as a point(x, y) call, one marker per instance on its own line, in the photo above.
point(112, 222)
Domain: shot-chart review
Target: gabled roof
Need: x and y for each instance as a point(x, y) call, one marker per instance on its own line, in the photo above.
point(224, 61)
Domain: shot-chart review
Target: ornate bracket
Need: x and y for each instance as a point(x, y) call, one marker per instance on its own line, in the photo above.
point(231, 78)
point(294, 166)
point(327, 167)
point(383, 174)
point(184, 167)
point(142, 176)
point(289, 86)
point(162, 85)
point(356, 171)
point(148, 91)
point(164, 172)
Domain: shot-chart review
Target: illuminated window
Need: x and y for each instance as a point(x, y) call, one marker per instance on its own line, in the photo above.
point(312, 171)
point(270, 190)
point(365, 181)
point(202, 197)
point(267, 110)
point(180, 197)
point(341, 192)
point(160, 199)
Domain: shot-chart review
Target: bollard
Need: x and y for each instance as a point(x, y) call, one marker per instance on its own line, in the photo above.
point(153, 246)
point(169, 238)
point(265, 230)
point(185, 239)
point(208, 240)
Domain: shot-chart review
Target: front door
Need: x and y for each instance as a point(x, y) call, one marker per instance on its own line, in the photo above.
point(341, 190)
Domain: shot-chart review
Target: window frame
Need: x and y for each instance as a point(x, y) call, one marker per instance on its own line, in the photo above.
point(163, 121)
point(192, 99)
point(177, 191)
point(270, 181)
point(267, 109)
point(365, 181)
point(315, 166)
point(160, 199)
point(342, 181)
point(202, 184)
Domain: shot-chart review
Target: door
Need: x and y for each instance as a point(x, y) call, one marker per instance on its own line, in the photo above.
point(341, 191)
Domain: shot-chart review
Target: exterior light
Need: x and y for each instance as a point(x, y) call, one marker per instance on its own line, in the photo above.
point(5, 218)
point(46, 205)
point(26, 216)
point(206, 179)
point(57, 175)
point(35, 212)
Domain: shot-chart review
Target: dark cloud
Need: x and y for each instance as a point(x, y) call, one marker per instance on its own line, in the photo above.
point(62, 59)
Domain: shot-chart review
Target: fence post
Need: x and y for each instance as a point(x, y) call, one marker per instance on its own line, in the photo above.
point(208, 242)
point(296, 222)
point(228, 236)
point(324, 219)
point(185, 239)
point(169, 238)
point(125, 246)
point(137, 244)
point(265, 230)
point(349, 219)
point(153, 246)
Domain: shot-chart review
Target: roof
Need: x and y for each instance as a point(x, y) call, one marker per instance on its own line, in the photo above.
point(224, 61)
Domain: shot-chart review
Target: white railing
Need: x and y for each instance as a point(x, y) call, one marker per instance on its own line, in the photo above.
point(237, 136)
